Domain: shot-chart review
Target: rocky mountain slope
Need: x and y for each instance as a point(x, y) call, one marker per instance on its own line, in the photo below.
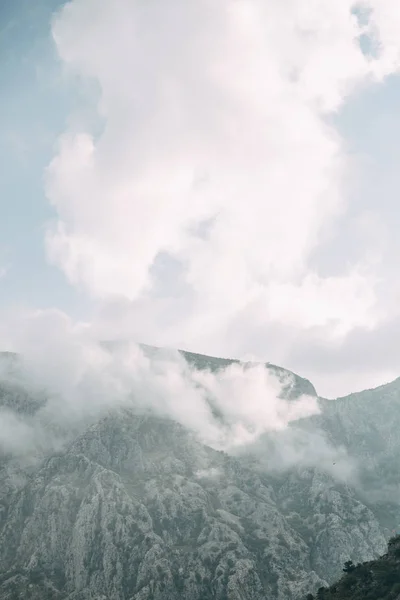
point(134, 507)
point(372, 580)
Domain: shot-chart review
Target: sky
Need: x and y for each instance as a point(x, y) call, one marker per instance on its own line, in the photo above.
point(218, 177)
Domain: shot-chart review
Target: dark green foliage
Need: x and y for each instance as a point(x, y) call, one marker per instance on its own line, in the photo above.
point(396, 589)
point(350, 581)
point(348, 566)
point(373, 580)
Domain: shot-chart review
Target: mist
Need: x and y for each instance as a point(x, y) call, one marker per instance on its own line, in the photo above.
point(69, 380)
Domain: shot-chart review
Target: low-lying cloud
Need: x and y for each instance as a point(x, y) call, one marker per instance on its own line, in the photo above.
point(75, 380)
point(82, 378)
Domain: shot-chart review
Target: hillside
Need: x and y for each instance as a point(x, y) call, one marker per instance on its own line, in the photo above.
point(372, 580)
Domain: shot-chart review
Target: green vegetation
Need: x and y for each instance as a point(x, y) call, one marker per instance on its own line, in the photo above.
point(374, 580)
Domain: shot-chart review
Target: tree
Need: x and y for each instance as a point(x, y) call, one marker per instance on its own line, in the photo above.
point(348, 566)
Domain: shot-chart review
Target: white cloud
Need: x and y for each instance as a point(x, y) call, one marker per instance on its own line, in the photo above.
point(239, 409)
point(217, 167)
point(342, 303)
point(82, 379)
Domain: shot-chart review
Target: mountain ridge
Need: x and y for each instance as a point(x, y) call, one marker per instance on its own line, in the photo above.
point(134, 507)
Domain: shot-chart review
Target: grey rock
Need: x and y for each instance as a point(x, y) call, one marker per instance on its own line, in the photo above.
point(136, 508)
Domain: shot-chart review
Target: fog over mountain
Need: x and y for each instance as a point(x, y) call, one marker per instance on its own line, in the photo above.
point(109, 491)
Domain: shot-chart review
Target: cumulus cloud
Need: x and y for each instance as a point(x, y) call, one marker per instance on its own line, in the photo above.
point(215, 172)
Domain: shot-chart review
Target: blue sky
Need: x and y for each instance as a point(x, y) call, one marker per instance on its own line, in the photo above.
point(39, 100)
point(34, 106)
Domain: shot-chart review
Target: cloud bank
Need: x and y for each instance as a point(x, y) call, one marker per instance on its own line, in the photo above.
point(79, 380)
point(62, 380)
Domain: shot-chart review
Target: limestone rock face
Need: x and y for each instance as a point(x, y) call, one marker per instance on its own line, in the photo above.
point(136, 508)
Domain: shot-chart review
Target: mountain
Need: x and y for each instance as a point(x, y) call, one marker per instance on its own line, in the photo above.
point(367, 425)
point(372, 580)
point(134, 507)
